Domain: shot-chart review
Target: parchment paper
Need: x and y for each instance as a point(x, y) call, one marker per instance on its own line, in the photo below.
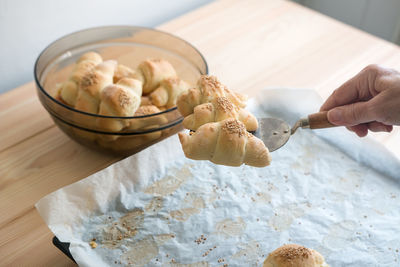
point(328, 190)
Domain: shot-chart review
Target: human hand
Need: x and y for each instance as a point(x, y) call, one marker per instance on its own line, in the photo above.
point(368, 101)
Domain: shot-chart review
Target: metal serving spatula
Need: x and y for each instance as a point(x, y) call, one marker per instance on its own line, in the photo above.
point(275, 132)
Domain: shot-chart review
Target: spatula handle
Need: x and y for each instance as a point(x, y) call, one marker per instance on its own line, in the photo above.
point(319, 120)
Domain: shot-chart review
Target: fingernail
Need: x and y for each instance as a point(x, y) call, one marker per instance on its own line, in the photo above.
point(381, 128)
point(335, 115)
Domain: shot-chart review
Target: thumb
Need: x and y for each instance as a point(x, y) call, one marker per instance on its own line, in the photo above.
point(352, 114)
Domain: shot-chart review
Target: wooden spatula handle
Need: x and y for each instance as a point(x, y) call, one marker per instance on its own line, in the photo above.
point(319, 120)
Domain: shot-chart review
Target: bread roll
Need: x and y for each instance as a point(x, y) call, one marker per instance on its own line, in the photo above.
point(122, 71)
point(146, 101)
point(293, 255)
point(119, 100)
point(226, 142)
point(148, 123)
point(90, 56)
point(168, 91)
point(208, 88)
point(69, 89)
point(219, 109)
point(154, 71)
point(92, 84)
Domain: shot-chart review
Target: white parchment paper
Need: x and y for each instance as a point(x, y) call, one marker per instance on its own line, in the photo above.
point(328, 190)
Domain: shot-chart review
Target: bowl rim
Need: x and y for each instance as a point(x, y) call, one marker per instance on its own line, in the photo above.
point(100, 27)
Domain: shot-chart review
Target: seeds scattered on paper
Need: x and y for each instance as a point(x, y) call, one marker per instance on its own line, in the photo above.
point(205, 254)
point(200, 240)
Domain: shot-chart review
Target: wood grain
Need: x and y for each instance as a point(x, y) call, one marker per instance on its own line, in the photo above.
point(250, 45)
point(319, 120)
point(21, 116)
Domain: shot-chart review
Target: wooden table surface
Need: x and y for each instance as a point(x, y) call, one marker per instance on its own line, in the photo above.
point(249, 45)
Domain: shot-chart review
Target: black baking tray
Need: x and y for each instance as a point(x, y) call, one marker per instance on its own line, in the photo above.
point(64, 247)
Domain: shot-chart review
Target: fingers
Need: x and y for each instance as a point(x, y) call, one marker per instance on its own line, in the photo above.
point(386, 106)
point(379, 127)
point(354, 90)
point(362, 129)
point(370, 101)
point(352, 114)
point(345, 94)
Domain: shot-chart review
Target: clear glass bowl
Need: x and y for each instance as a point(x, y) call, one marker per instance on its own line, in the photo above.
point(129, 45)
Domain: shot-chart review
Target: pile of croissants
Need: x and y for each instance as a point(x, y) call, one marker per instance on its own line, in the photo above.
point(215, 115)
point(111, 89)
point(219, 126)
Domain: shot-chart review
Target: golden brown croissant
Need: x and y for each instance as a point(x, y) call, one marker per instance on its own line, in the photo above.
point(146, 101)
point(120, 100)
point(219, 109)
point(123, 71)
point(168, 92)
point(148, 123)
point(154, 71)
point(208, 88)
point(92, 84)
point(226, 142)
point(69, 89)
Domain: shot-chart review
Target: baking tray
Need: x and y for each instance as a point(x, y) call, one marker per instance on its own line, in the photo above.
point(64, 247)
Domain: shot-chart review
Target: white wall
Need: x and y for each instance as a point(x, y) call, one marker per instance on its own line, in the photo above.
point(378, 17)
point(27, 27)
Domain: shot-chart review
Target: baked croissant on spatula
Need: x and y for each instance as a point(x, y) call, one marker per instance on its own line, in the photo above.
point(220, 108)
point(226, 142)
point(221, 126)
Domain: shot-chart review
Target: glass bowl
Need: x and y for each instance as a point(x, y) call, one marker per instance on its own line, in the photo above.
point(129, 45)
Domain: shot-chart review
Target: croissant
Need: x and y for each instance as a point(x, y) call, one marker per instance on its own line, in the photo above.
point(168, 92)
point(92, 84)
point(69, 89)
point(208, 88)
point(122, 71)
point(120, 100)
point(146, 101)
point(226, 142)
point(148, 123)
point(132, 84)
point(219, 109)
point(154, 71)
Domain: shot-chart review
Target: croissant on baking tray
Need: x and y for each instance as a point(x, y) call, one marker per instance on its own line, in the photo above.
point(168, 91)
point(92, 84)
point(153, 71)
point(208, 88)
point(220, 108)
point(69, 89)
point(226, 142)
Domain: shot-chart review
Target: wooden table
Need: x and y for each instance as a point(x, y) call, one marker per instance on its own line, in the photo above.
point(249, 45)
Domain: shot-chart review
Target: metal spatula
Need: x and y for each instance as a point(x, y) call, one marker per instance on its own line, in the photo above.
point(276, 132)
